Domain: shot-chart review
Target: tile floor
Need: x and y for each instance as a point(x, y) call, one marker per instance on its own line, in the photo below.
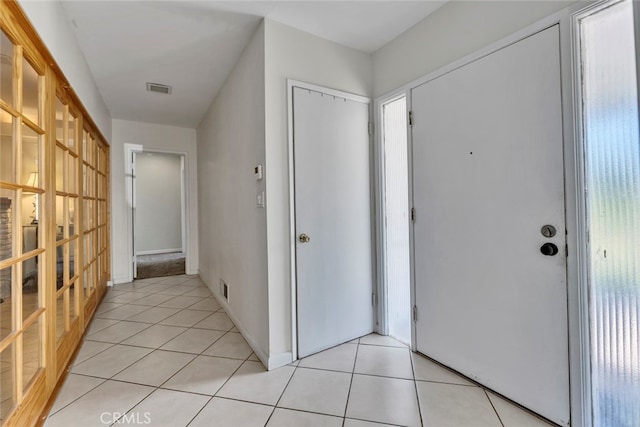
point(162, 352)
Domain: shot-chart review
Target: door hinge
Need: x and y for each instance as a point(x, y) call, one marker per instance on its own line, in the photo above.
point(410, 118)
point(413, 214)
point(370, 128)
point(415, 313)
point(566, 250)
point(374, 299)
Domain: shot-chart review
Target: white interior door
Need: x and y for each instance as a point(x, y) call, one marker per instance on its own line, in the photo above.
point(332, 220)
point(487, 176)
point(133, 214)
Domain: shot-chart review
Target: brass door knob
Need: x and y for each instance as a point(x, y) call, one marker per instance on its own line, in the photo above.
point(304, 238)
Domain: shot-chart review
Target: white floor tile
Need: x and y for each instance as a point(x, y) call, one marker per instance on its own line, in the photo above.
point(426, 370)
point(186, 318)
point(375, 339)
point(193, 340)
point(174, 289)
point(349, 422)
point(512, 416)
point(288, 418)
point(199, 292)
point(154, 315)
point(445, 405)
point(253, 383)
point(165, 408)
point(231, 345)
point(219, 321)
point(111, 361)
point(105, 307)
point(340, 358)
point(155, 368)
point(383, 400)
point(180, 302)
point(155, 336)
point(206, 304)
point(98, 324)
point(384, 361)
point(204, 375)
point(123, 312)
point(118, 332)
point(89, 349)
point(318, 391)
point(153, 299)
point(99, 406)
point(231, 413)
point(75, 386)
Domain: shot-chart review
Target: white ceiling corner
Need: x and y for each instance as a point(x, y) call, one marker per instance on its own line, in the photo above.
point(193, 45)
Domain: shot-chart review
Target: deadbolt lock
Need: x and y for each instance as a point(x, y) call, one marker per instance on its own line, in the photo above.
point(548, 231)
point(304, 238)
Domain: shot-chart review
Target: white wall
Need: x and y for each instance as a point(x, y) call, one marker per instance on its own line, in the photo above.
point(290, 53)
point(453, 31)
point(152, 137)
point(50, 22)
point(233, 231)
point(158, 203)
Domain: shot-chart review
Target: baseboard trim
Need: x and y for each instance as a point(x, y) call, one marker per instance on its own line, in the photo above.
point(269, 362)
point(122, 279)
point(159, 251)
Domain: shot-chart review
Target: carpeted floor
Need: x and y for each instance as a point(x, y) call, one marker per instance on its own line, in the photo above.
point(159, 265)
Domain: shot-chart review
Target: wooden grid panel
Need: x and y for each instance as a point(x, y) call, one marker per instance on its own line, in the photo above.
point(54, 200)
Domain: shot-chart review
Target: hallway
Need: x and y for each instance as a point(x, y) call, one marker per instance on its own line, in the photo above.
point(162, 352)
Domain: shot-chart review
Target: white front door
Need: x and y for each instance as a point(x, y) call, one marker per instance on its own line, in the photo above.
point(332, 220)
point(487, 177)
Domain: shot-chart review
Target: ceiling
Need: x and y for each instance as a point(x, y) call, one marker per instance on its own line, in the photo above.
point(193, 45)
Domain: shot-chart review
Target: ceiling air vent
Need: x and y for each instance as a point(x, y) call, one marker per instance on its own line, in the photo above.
point(158, 88)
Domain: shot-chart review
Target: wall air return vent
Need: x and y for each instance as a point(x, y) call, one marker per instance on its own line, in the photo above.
point(158, 88)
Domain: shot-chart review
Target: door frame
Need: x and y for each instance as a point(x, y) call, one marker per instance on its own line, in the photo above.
point(577, 292)
point(130, 150)
point(291, 84)
point(382, 324)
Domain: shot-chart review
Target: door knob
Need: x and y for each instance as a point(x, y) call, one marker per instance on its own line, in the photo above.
point(304, 238)
point(549, 249)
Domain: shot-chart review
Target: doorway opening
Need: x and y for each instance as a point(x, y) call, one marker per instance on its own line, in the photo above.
point(158, 214)
point(396, 216)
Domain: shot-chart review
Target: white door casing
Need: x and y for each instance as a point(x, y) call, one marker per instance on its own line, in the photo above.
point(332, 207)
point(487, 144)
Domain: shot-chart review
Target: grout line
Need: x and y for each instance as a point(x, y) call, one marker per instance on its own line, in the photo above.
point(353, 370)
point(82, 395)
point(493, 406)
point(415, 386)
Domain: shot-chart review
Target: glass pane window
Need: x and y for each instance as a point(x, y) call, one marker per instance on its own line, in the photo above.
point(60, 153)
point(60, 213)
point(612, 168)
point(7, 218)
point(7, 372)
point(72, 132)
point(6, 321)
point(30, 157)
point(30, 287)
point(6, 69)
point(31, 352)
point(60, 316)
point(31, 81)
point(6, 147)
point(72, 175)
point(60, 120)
